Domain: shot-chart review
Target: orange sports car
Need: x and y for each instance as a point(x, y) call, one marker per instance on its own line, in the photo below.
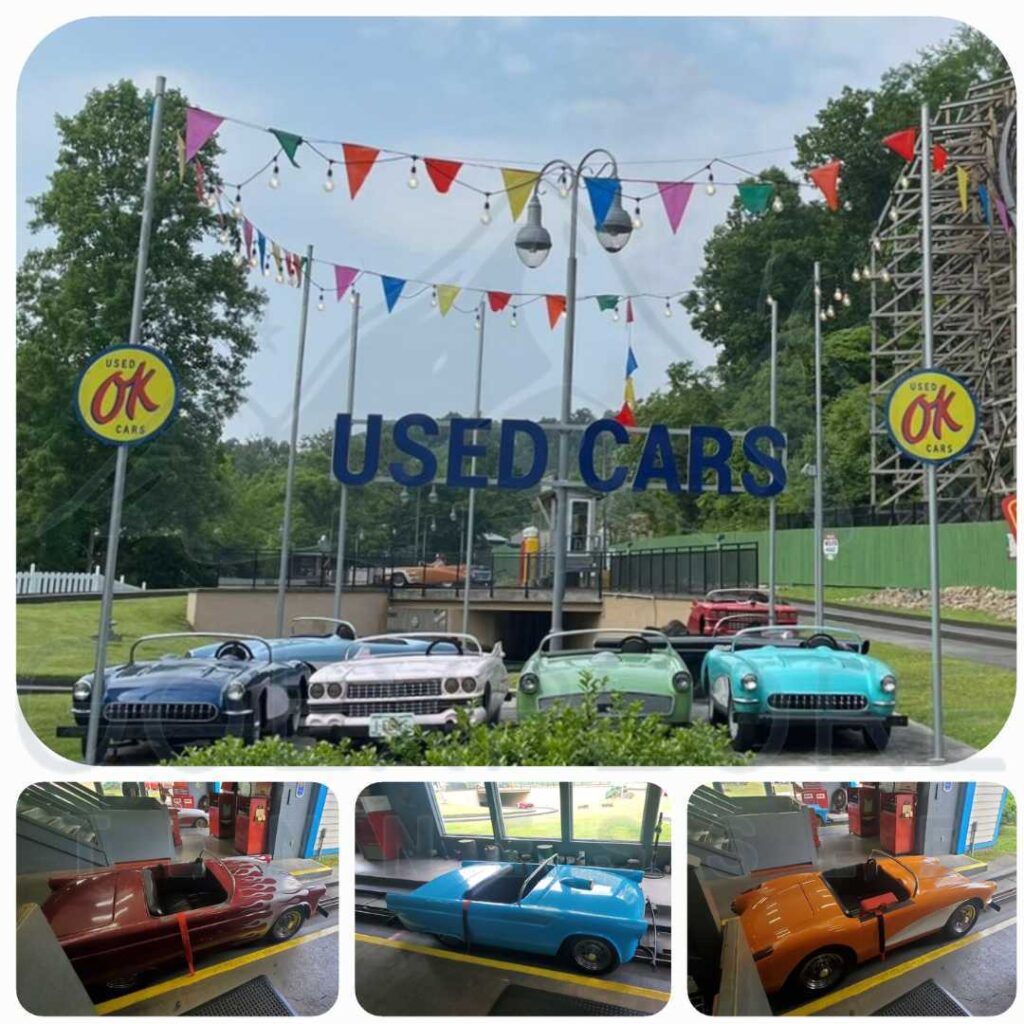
point(808, 930)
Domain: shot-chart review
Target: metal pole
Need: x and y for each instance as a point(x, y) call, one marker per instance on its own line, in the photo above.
point(471, 509)
point(819, 459)
point(339, 571)
point(120, 465)
point(938, 737)
point(561, 484)
point(772, 402)
point(286, 525)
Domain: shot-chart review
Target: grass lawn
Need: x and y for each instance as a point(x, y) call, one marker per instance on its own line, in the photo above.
point(848, 596)
point(44, 712)
point(1006, 845)
point(976, 698)
point(56, 638)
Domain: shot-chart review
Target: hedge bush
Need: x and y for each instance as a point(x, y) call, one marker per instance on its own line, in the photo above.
point(578, 735)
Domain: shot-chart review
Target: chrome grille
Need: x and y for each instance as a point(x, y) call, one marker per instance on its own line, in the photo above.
point(397, 707)
point(818, 701)
point(161, 712)
point(650, 703)
point(734, 623)
point(394, 688)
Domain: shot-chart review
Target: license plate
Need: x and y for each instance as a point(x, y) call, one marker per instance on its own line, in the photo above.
point(382, 726)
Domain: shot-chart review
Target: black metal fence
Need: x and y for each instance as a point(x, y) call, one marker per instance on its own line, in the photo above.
point(693, 570)
point(907, 513)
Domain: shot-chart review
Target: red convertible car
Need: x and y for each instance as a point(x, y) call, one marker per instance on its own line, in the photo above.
point(725, 612)
point(118, 922)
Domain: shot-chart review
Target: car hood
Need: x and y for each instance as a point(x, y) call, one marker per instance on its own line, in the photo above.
point(819, 666)
point(614, 671)
point(173, 679)
point(594, 891)
point(775, 909)
point(421, 666)
point(313, 648)
point(87, 902)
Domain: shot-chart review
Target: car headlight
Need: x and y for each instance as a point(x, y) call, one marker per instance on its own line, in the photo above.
point(451, 686)
point(334, 690)
point(529, 683)
point(316, 691)
point(469, 684)
point(81, 690)
point(234, 690)
point(749, 681)
point(681, 682)
point(888, 684)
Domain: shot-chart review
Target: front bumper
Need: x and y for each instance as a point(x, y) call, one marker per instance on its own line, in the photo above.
point(853, 720)
point(333, 723)
point(675, 708)
point(234, 723)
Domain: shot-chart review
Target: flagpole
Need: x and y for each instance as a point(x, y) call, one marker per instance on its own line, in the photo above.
point(467, 569)
point(286, 524)
point(772, 410)
point(121, 462)
point(819, 460)
point(339, 569)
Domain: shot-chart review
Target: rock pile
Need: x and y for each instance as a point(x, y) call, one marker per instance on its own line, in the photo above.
point(1002, 604)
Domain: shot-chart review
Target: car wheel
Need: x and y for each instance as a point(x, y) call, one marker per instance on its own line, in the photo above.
point(962, 920)
point(200, 823)
point(399, 580)
point(715, 716)
point(592, 955)
point(877, 736)
point(287, 924)
point(742, 734)
point(820, 972)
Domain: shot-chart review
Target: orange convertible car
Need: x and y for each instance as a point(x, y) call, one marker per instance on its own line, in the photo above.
point(808, 930)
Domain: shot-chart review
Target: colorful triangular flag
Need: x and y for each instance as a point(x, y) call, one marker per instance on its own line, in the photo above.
point(625, 416)
point(602, 192)
point(289, 143)
point(498, 300)
point(199, 126)
point(446, 295)
point(963, 184)
point(755, 196)
point(629, 311)
point(442, 172)
point(359, 161)
point(628, 394)
point(902, 142)
point(606, 302)
point(518, 186)
point(392, 289)
point(675, 195)
point(826, 178)
point(940, 158)
point(261, 246)
point(556, 307)
point(631, 364)
point(986, 206)
point(343, 277)
point(181, 157)
point(247, 235)
point(1004, 216)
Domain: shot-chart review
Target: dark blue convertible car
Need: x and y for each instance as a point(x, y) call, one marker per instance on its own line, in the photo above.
point(593, 917)
point(176, 700)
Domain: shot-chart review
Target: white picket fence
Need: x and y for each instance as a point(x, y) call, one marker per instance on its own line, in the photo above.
point(36, 582)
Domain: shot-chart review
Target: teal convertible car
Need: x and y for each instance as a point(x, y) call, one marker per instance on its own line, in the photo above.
point(811, 675)
point(639, 664)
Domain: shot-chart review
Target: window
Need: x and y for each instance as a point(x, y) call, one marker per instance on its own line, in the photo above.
point(531, 810)
point(665, 816)
point(744, 789)
point(608, 811)
point(784, 789)
point(463, 808)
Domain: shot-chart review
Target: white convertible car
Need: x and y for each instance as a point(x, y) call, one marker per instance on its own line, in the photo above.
point(364, 695)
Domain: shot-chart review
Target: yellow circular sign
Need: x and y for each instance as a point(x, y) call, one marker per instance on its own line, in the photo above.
point(932, 416)
point(126, 395)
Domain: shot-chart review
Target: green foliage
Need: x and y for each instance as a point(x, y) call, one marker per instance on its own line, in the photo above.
point(567, 736)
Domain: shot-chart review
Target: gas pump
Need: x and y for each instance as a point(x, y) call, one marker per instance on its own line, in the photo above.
point(222, 812)
point(252, 818)
point(897, 822)
point(862, 807)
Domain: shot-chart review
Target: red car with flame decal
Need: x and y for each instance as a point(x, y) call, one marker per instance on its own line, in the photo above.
point(725, 612)
point(118, 922)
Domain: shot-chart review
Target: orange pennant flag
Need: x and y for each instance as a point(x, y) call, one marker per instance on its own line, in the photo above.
point(827, 179)
point(518, 185)
point(358, 162)
point(556, 307)
point(442, 172)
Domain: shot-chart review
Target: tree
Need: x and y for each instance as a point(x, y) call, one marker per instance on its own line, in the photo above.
point(74, 299)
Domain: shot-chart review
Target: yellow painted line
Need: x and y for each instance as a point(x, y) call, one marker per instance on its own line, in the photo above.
point(503, 965)
point(975, 865)
point(121, 1002)
point(895, 972)
point(323, 869)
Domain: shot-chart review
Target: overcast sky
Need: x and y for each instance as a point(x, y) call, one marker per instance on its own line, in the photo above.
point(664, 95)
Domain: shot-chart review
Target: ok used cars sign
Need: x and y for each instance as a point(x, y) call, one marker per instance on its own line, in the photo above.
point(126, 394)
point(932, 416)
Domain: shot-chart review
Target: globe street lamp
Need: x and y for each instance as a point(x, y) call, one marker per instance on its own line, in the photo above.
point(533, 243)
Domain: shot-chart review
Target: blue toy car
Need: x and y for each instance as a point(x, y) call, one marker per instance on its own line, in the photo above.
point(325, 648)
point(786, 675)
point(177, 699)
point(594, 918)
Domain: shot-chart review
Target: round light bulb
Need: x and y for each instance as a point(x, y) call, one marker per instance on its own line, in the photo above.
point(280, 277)
point(904, 181)
point(253, 261)
point(777, 204)
point(885, 276)
point(668, 308)
point(615, 314)
point(838, 294)
point(824, 316)
point(275, 178)
point(866, 273)
point(894, 215)
point(413, 181)
point(855, 275)
point(718, 306)
point(352, 298)
point(485, 215)
point(638, 221)
point(433, 296)
point(514, 322)
point(831, 311)
point(876, 244)
point(223, 236)
point(710, 186)
point(238, 259)
point(320, 303)
point(563, 186)
point(329, 180)
point(846, 299)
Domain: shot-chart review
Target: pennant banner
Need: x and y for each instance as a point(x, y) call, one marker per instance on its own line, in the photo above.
point(606, 302)
point(182, 160)
point(1004, 216)
point(963, 183)
point(275, 252)
point(629, 311)
point(498, 300)
point(602, 192)
point(629, 395)
point(518, 185)
point(902, 143)
point(392, 289)
point(986, 206)
point(247, 235)
point(675, 196)
point(359, 161)
point(289, 143)
point(556, 307)
point(826, 178)
point(755, 197)
point(625, 416)
point(442, 172)
point(261, 245)
point(199, 126)
point(446, 295)
point(940, 158)
point(343, 277)
point(631, 364)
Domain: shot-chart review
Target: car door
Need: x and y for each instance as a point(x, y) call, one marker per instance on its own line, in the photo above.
point(432, 916)
point(513, 926)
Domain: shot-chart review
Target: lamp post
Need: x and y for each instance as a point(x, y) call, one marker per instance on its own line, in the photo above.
point(533, 243)
point(772, 410)
point(339, 572)
point(819, 460)
point(467, 565)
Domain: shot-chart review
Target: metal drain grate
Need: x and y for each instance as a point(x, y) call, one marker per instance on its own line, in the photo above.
point(254, 998)
point(522, 1001)
point(926, 1000)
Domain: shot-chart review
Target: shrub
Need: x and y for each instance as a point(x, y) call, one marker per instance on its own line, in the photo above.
point(578, 735)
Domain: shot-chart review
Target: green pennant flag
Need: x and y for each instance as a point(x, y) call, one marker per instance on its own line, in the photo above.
point(606, 302)
point(755, 198)
point(289, 143)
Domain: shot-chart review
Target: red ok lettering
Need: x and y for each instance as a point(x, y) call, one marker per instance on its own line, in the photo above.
point(128, 395)
point(923, 417)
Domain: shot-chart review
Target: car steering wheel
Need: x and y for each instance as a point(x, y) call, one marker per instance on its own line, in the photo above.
point(345, 631)
point(821, 640)
point(635, 644)
point(453, 640)
point(234, 649)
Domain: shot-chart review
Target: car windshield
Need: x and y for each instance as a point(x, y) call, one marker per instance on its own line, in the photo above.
point(808, 636)
point(575, 642)
point(724, 596)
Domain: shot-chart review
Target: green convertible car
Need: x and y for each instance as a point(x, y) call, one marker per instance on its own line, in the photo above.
point(641, 665)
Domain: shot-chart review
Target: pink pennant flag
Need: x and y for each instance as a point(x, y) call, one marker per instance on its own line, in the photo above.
point(675, 195)
point(199, 126)
point(629, 309)
point(343, 277)
point(1004, 217)
point(247, 235)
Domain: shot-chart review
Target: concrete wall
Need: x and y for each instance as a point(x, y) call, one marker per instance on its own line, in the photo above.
point(640, 610)
point(254, 611)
